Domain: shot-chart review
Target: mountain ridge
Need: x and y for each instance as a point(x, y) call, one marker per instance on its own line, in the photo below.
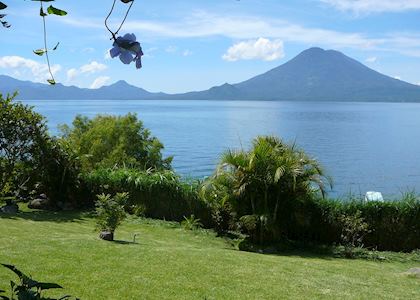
point(313, 75)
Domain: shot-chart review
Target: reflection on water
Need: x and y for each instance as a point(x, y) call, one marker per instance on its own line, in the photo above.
point(363, 146)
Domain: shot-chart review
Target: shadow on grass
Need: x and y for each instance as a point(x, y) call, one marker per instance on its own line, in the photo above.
point(293, 250)
point(124, 242)
point(48, 216)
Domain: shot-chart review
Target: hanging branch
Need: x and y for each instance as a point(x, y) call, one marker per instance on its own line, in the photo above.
point(52, 80)
point(51, 10)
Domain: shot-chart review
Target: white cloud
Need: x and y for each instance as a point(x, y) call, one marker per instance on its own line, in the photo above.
point(373, 6)
point(27, 68)
point(88, 50)
point(100, 81)
point(93, 67)
point(71, 74)
point(187, 53)
point(418, 83)
point(90, 68)
point(261, 49)
point(371, 60)
point(171, 49)
point(201, 24)
point(397, 77)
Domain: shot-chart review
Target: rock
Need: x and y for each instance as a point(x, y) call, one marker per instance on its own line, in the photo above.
point(39, 204)
point(107, 236)
point(12, 208)
point(413, 272)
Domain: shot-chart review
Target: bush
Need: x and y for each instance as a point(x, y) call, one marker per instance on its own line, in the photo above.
point(115, 141)
point(265, 182)
point(353, 230)
point(22, 131)
point(110, 212)
point(160, 195)
point(393, 225)
point(191, 223)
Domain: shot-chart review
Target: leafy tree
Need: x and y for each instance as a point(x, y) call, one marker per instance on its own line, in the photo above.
point(115, 141)
point(22, 131)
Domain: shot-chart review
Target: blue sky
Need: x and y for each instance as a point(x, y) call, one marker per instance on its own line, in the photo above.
point(196, 44)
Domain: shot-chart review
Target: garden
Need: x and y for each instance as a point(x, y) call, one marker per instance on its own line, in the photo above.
point(99, 210)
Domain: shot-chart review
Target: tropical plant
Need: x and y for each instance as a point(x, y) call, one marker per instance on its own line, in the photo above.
point(110, 213)
point(114, 141)
point(191, 223)
point(29, 289)
point(264, 180)
point(354, 228)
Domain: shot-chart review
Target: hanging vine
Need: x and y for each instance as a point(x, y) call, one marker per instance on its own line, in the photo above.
point(125, 47)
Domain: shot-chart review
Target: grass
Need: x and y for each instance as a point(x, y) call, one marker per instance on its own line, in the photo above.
point(168, 262)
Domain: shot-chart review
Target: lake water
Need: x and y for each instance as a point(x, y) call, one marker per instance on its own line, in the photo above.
point(363, 146)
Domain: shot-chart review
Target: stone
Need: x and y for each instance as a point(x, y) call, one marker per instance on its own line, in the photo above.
point(39, 204)
point(12, 208)
point(107, 235)
point(413, 272)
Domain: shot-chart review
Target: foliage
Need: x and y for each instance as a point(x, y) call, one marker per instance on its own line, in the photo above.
point(22, 132)
point(110, 211)
point(115, 141)
point(393, 225)
point(264, 180)
point(59, 171)
point(353, 230)
point(28, 289)
point(191, 223)
point(161, 195)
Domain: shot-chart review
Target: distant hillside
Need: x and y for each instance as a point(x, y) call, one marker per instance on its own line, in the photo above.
point(313, 75)
point(120, 90)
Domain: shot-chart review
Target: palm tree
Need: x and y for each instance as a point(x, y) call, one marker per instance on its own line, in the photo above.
point(269, 173)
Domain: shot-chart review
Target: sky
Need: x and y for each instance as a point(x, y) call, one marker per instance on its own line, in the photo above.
point(196, 44)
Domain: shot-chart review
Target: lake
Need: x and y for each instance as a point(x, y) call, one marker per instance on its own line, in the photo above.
point(363, 146)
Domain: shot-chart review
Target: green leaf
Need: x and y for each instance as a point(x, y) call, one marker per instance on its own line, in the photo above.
point(2, 5)
point(56, 46)
point(51, 81)
point(42, 13)
point(55, 11)
point(40, 52)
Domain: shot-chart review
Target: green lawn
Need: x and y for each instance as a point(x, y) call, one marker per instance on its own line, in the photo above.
point(171, 263)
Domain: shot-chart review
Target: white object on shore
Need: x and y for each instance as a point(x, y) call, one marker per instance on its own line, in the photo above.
point(374, 196)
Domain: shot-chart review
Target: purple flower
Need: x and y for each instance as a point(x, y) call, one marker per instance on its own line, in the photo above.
point(128, 49)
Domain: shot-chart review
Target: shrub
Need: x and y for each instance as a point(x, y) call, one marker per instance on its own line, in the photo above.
point(160, 195)
point(191, 223)
point(110, 212)
point(265, 182)
point(393, 225)
point(115, 141)
point(22, 131)
point(353, 230)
